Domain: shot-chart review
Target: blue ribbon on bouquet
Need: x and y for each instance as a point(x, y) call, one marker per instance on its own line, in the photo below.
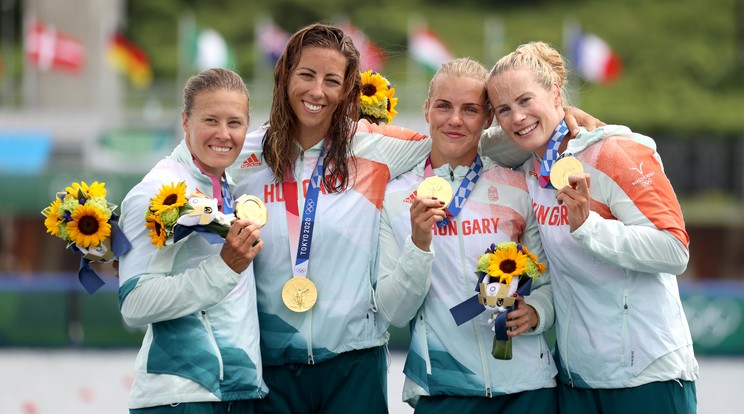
point(181, 231)
point(119, 245)
point(470, 308)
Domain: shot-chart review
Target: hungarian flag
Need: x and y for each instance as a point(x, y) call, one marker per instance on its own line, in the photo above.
point(129, 60)
point(593, 59)
point(47, 48)
point(371, 55)
point(426, 48)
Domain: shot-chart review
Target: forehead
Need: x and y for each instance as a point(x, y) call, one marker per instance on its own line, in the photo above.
point(322, 59)
point(512, 83)
point(458, 88)
point(221, 99)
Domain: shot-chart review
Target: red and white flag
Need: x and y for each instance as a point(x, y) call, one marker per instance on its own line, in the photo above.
point(371, 55)
point(593, 59)
point(48, 48)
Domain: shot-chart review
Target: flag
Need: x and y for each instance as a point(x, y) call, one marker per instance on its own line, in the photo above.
point(593, 59)
point(129, 60)
point(371, 55)
point(426, 48)
point(271, 40)
point(48, 48)
point(208, 49)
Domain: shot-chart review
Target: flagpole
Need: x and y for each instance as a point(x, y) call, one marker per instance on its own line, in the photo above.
point(186, 27)
point(7, 40)
point(30, 73)
point(493, 42)
point(570, 29)
point(414, 22)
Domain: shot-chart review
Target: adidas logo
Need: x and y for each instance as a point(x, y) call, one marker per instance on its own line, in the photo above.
point(251, 161)
point(410, 198)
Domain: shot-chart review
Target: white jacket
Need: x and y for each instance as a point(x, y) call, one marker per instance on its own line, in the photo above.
point(619, 317)
point(202, 339)
point(421, 287)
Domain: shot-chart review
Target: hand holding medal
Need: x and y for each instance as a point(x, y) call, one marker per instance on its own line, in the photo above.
point(567, 175)
point(250, 207)
point(562, 168)
point(436, 187)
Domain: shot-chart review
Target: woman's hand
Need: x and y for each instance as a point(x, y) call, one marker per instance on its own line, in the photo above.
point(575, 118)
point(577, 198)
point(425, 211)
point(242, 244)
point(523, 318)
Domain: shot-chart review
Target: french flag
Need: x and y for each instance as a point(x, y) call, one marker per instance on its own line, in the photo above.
point(593, 59)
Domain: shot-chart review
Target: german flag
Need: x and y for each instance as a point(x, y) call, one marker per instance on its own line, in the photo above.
point(130, 60)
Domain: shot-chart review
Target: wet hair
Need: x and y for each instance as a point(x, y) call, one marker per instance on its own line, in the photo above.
point(279, 149)
point(463, 67)
point(210, 80)
point(545, 61)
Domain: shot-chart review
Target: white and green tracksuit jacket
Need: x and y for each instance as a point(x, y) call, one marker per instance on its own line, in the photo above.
point(202, 339)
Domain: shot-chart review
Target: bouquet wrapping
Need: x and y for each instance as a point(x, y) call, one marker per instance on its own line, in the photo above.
point(173, 213)
point(82, 217)
point(504, 271)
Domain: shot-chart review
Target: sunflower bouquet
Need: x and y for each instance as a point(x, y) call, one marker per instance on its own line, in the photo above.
point(173, 214)
point(504, 271)
point(82, 217)
point(377, 98)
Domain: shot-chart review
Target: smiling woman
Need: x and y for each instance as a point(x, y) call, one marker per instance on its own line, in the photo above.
point(190, 294)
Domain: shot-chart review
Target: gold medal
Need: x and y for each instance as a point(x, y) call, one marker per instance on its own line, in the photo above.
point(436, 187)
point(562, 169)
point(250, 207)
point(299, 294)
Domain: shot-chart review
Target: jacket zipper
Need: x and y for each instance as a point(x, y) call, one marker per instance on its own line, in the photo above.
point(208, 325)
point(625, 328)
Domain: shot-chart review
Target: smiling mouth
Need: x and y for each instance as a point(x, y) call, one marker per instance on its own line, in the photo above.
point(527, 130)
point(220, 149)
point(312, 107)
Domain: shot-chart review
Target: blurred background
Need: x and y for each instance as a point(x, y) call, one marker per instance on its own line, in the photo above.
point(91, 90)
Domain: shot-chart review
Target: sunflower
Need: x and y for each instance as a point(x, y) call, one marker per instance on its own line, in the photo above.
point(53, 219)
point(169, 197)
point(97, 190)
point(506, 263)
point(89, 226)
point(391, 102)
point(538, 266)
point(94, 190)
point(157, 230)
point(374, 87)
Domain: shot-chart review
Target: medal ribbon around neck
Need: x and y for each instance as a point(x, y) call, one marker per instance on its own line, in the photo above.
point(301, 235)
point(462, 193)
point(551, 153)
point(220, 190)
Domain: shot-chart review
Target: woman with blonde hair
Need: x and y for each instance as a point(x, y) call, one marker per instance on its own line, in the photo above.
point(615, 239)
